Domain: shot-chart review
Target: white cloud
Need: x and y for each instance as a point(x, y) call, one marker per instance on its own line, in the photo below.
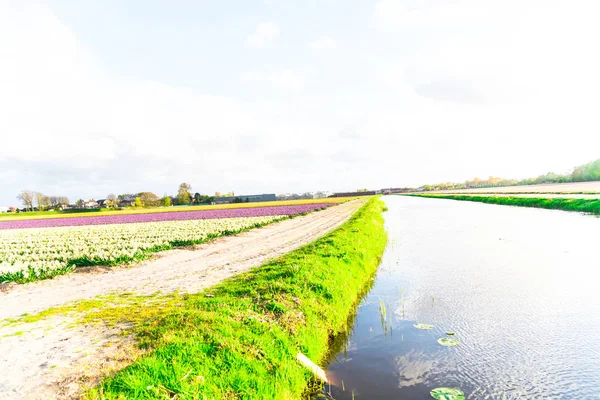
point(287, 79)
point(394, 14)
point(323, 43)
point(265, 33)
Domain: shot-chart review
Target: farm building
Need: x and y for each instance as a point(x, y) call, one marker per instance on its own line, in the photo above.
point(90, 204)
point(250, 198)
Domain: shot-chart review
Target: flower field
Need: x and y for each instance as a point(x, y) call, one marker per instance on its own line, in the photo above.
point(164, 216)
point(41, 253)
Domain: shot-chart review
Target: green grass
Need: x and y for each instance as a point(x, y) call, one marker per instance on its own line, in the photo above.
point(591, 206)
point(239, 339)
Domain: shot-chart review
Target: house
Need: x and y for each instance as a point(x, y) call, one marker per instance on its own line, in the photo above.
point(249, 198)
point(90, 204)
point(126, 203)
point(102, 203)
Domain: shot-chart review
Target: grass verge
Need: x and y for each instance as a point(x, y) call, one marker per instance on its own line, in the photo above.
point(591, 206)
point(239, 340)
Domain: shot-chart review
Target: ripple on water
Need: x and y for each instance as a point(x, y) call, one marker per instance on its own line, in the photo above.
point(516, 285)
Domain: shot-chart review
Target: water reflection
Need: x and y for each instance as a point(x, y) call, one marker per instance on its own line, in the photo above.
point(413, 368)
point(517, 285)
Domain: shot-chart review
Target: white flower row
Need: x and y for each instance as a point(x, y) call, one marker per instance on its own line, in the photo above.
point(50, 248)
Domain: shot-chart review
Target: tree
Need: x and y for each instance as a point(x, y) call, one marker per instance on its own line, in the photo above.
point(126, 197)
point(80, 203)
point(111, 201)
point(63, 201)
point(138, 202)
point(197, 198)
point(41, 200)
point(26, 197)
point(166, 201)
point(149, 199)
point(183, 194)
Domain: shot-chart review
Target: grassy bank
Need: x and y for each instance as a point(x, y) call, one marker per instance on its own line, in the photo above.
point(239, 340)
point(580, 205)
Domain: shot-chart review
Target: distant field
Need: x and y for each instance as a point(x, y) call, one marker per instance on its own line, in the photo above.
point(103, 212)
point(591, 205)
point(556, 188)
point(524, 195)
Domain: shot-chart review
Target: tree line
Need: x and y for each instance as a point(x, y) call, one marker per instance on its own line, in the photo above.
point(582, 173)
point(32, 200)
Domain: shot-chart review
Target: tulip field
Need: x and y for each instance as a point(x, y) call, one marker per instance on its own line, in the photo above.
point(31, 250)
point(164, 216)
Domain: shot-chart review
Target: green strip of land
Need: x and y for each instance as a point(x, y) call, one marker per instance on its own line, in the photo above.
point(239, 340)
point(591, 206)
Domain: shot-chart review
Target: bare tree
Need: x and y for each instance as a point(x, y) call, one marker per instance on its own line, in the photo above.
point(41, 201)
point(63, 201)
point(111, 201)
point(26, 197)
point(53, 201)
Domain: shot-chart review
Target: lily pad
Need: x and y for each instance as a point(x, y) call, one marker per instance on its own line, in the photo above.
point(444, 393)
point(424, 327)
point(450, 333)
point(448, 342)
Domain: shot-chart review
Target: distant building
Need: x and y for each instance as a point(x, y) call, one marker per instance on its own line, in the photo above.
point(90, 204)
point(248, 198)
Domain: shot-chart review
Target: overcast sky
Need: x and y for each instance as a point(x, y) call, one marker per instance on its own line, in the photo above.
point(100, 97)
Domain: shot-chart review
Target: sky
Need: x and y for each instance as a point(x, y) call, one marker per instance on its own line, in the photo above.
point(275, 96)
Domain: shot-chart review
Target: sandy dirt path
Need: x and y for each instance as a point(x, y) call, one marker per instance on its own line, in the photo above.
point(187, 270)
point(51, 359)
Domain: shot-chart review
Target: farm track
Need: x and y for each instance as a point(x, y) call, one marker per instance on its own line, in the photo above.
point(186, 270)
point(50, 359)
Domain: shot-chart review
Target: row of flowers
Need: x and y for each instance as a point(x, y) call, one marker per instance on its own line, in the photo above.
point(164, 216)
point(31, 254)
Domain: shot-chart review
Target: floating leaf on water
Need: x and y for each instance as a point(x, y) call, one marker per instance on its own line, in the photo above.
point(444, 393)
point(425, 327)
point(448, 342)
point(449, 333)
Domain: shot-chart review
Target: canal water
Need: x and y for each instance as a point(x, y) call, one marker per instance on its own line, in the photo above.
point(519, 287)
